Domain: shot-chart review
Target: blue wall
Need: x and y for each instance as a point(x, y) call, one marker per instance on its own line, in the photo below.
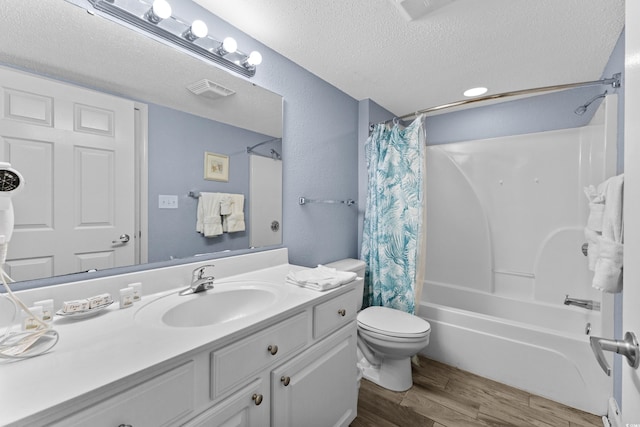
point(320, 151)
point(177, 143)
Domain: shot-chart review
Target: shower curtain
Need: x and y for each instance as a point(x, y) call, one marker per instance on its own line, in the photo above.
point(393, 237)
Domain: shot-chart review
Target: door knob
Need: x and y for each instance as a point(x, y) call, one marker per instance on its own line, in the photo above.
point(122, 239)
point(628, 347)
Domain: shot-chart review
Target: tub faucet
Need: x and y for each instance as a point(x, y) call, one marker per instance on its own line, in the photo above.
point(584, 303)
point(199, 282)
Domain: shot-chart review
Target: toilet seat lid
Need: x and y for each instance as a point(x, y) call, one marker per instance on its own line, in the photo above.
point(389, 321)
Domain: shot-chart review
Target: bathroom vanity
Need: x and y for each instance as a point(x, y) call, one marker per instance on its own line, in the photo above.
point(288, 361)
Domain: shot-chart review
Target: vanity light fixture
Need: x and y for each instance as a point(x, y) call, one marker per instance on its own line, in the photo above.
point(476, 91)
point(252, 60)
point(156, 17)
point(159, 10)
point(197, 30)
point(228, 45)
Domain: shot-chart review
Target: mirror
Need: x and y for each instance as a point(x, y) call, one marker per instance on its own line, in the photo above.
point(62, 41)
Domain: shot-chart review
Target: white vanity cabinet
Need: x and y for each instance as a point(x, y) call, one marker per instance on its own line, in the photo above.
point(163, 400)
point(297, 384)
point(318, 387)
point(297, 370)
point(248, 407)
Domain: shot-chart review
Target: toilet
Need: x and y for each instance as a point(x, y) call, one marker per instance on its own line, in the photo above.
point(387, 338)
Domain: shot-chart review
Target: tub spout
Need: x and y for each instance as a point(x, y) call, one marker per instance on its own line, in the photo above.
point(584, 303)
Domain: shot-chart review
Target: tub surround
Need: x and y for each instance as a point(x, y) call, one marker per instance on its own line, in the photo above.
point(106, 354)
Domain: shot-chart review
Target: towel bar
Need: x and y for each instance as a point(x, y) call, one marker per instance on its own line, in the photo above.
point(348, 202)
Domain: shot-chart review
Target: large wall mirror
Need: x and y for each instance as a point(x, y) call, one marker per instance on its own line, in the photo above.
point(51, 48)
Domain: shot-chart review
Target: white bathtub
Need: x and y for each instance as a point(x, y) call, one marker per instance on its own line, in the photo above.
point(505, 221)
point(539, 348)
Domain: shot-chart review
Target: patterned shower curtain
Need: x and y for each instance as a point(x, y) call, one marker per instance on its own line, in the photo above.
point(393, 219)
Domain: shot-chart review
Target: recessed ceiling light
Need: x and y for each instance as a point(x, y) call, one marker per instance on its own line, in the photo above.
point(476, 91)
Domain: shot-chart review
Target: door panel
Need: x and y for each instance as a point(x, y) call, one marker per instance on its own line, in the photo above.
point(75, 149)
point(631, 296)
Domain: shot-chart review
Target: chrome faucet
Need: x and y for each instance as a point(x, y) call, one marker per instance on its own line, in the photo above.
point(584, 303)
point(199, 282)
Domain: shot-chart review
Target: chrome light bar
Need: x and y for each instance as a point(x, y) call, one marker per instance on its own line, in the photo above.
point(144, 15)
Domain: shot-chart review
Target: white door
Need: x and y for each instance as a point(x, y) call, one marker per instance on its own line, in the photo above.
point(631, 294)
point(265, 203)
point(75, 150)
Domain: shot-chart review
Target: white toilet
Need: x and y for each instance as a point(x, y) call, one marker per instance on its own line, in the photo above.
point(387, 338)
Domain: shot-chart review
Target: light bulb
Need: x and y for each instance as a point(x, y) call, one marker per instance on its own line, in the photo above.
point(229, 45)
point(199, 29)
point(161, 8)
point(254, 59)
point(476, 91)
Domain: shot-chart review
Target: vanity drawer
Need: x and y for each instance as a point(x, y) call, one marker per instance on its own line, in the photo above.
point(233, 365)
point(160, 401)
point(334, 313)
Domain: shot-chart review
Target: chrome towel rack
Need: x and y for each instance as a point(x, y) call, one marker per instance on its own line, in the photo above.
point(304, 201)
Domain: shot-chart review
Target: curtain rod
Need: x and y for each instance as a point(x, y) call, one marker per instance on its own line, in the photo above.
point(614, 81)
point(250, 149)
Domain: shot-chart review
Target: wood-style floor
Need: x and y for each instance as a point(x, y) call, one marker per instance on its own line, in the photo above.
point(444, 396)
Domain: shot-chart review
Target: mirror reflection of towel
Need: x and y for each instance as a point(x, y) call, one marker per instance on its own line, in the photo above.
point(234, 221)
point(208, 219)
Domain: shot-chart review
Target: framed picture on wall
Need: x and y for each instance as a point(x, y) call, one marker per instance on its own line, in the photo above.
point(216, 167)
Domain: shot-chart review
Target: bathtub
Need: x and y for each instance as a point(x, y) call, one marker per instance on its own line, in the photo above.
point(505, 225)
point(540, 348)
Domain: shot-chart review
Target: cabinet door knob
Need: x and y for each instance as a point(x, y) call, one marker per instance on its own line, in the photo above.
point(342, 312)
point(125, 425)
point(257, 398)
point(285, 381)
point(273, 349)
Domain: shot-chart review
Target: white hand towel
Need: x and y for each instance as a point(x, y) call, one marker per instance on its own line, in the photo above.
point(596, 206)
point(605, 234)
point(608, 272)
point(208, 219)
point(320, 278)
point(593, 239)
point(225, 204)
point(234, 221)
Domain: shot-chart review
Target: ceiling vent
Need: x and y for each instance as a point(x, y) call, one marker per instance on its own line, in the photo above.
point(414, 9)
point(210, 89)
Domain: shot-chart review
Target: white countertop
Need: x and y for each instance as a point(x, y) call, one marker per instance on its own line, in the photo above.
point(97, 351)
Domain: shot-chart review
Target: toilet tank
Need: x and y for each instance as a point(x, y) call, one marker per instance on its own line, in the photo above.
point(355, 265)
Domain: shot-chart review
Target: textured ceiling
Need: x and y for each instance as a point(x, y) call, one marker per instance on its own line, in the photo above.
point(368, 49)
point(61, 40)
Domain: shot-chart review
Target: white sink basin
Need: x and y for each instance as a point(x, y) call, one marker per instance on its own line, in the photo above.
point(224, 303)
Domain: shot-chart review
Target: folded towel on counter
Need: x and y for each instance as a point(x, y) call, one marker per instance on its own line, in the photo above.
point(605, 233)
point(320, 278)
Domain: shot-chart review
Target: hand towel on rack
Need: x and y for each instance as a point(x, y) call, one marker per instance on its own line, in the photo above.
point(208, 219)
point(320, 278)
point(234, 221)
point(605, 233)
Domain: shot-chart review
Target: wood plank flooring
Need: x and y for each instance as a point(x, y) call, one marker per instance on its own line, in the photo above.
point(444, 396)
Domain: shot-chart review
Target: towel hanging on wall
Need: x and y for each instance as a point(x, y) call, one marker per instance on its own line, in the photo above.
point(605, 234)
